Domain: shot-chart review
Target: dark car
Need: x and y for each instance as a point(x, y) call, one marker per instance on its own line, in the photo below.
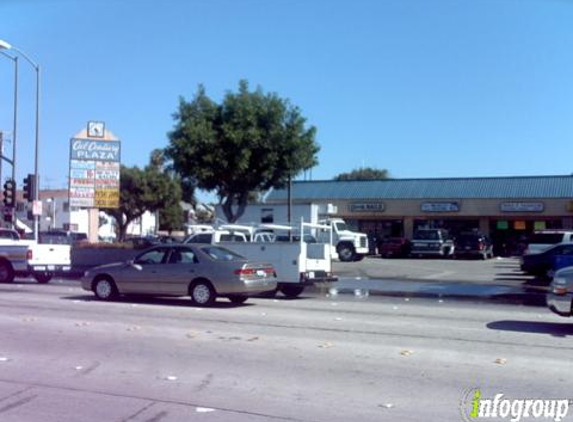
point(9, 234)
point(394, 246)
point(142, 242)
point(544, 263)
point(432, 242)
point(474, 244)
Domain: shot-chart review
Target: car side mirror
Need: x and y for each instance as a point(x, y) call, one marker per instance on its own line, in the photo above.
point(133, 264)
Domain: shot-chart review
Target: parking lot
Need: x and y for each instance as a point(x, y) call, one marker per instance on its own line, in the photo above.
point(504, 271)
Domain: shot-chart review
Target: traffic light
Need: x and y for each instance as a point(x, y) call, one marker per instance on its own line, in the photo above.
point(30, 187)
point(10, 193)
point(8, 216)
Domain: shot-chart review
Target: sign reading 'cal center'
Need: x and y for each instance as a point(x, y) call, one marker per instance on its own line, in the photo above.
point(95, 160)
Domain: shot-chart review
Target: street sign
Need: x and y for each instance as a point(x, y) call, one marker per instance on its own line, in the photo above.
point(37, 207)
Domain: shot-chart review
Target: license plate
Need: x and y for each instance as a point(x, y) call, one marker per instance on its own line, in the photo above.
point(311, 274)
point(51, 267)
point(261, 273)
point(468, 248)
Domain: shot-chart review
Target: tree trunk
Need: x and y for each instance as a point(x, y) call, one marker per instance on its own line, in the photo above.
point(243, 199)
point(228, 206)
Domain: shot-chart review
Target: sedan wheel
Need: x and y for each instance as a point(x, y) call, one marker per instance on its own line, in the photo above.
point(105, 289)
point(202, 293)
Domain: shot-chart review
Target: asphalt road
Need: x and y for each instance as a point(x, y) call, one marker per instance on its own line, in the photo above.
point(67, 357)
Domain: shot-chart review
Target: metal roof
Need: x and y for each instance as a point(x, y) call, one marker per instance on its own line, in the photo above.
point(522, 187)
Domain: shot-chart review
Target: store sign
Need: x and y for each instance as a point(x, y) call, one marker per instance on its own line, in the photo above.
point(522, 207)
point(94, 173)
point(440, 207)
point(86, 149)
point(37, 208)
point(502, 225)
point(367, 207)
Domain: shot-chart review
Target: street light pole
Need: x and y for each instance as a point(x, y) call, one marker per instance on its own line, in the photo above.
point(6, 46)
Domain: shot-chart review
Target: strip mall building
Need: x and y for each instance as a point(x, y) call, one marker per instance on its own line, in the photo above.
point(506, 208)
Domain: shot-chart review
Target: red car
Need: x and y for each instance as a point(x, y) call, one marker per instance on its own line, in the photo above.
point(394, 246)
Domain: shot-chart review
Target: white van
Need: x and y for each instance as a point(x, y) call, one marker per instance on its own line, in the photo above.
point(543, 239)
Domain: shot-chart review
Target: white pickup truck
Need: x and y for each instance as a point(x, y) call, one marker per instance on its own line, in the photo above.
point(298, 264)
point(23, 258)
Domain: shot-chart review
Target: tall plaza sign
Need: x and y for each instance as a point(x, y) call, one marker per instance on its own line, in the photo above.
point(95, 159)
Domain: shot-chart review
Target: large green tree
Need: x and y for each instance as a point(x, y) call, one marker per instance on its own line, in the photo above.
point(171, 215)
point(364, 173)
point(250, 142)
point(142, 190)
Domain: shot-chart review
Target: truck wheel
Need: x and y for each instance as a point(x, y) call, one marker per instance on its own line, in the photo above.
point(269, 295)
point(105, 289)
point(291, 291)
point(43, 278)
point(358, 257)
point(238, 299)
point(6, 272)
point(345, 252)
point(202, 293)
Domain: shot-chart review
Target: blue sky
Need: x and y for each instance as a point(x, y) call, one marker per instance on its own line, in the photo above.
point(424, 88)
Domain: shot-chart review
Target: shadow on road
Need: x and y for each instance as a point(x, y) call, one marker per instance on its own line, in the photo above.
point(221, 303)
point(552, 328)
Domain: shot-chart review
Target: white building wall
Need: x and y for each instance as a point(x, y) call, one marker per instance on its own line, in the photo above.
point(263, 213)
point(78, 219)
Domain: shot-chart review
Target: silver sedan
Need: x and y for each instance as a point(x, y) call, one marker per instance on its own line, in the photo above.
point(560, 296)
point(203, 272)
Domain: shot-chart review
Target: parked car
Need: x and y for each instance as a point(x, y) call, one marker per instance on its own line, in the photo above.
point(78, 237)
point(433, 242)
point(203, 272)
point(544, 263)
point(9, 234)
point(62, 237)
point(394, 247)
point(216, 236)
point(473, 244)
point(560, 296)
point(142, 242)
point(543, 239)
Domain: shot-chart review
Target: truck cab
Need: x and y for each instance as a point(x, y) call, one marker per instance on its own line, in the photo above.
point(349, 245)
